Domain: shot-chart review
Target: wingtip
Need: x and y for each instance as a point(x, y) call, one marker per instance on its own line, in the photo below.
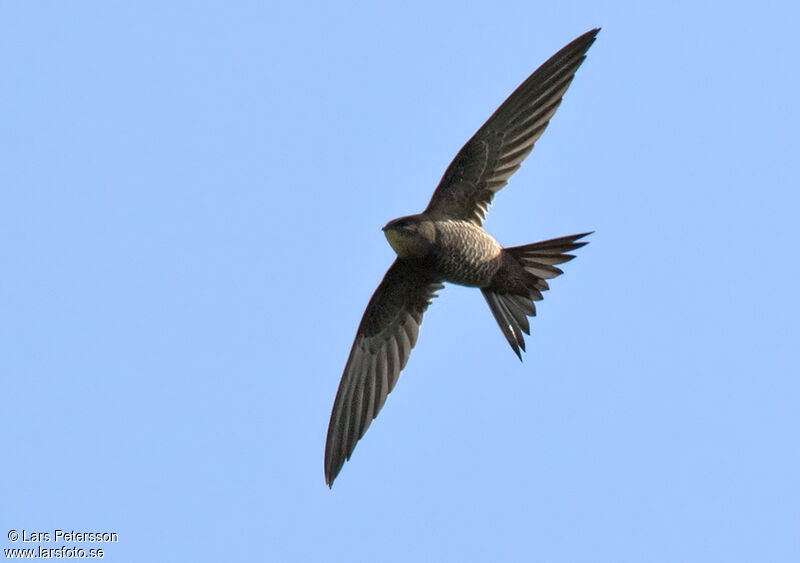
point(329, 480)
point(590, 35)
point(330, 467)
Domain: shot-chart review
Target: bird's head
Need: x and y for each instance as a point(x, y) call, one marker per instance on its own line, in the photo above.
point(410, 237)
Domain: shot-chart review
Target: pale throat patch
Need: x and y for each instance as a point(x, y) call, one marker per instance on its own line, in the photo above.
point(398, 242)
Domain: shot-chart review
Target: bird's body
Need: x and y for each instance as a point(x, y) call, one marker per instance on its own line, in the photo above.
point(447, 243)
point(451, 250)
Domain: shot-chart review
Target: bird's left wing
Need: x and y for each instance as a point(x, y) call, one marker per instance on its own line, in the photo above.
point(483, 166)
point(385, 337)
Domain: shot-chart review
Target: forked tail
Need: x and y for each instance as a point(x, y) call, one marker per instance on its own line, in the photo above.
point(511, 298)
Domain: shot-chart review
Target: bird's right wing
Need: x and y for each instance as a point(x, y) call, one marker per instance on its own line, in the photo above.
point(385, 337)
point(483, 166)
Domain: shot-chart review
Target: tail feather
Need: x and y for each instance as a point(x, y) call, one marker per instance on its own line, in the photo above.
point(540, 258)
point(508, 316)
point(511, 309)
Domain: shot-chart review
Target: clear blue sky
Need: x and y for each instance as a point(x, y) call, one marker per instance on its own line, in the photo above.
point(191, 196)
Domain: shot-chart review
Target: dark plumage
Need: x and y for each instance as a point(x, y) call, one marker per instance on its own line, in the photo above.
point(446, 243)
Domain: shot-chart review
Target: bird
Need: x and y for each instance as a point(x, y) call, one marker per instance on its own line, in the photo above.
point(447, 243)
